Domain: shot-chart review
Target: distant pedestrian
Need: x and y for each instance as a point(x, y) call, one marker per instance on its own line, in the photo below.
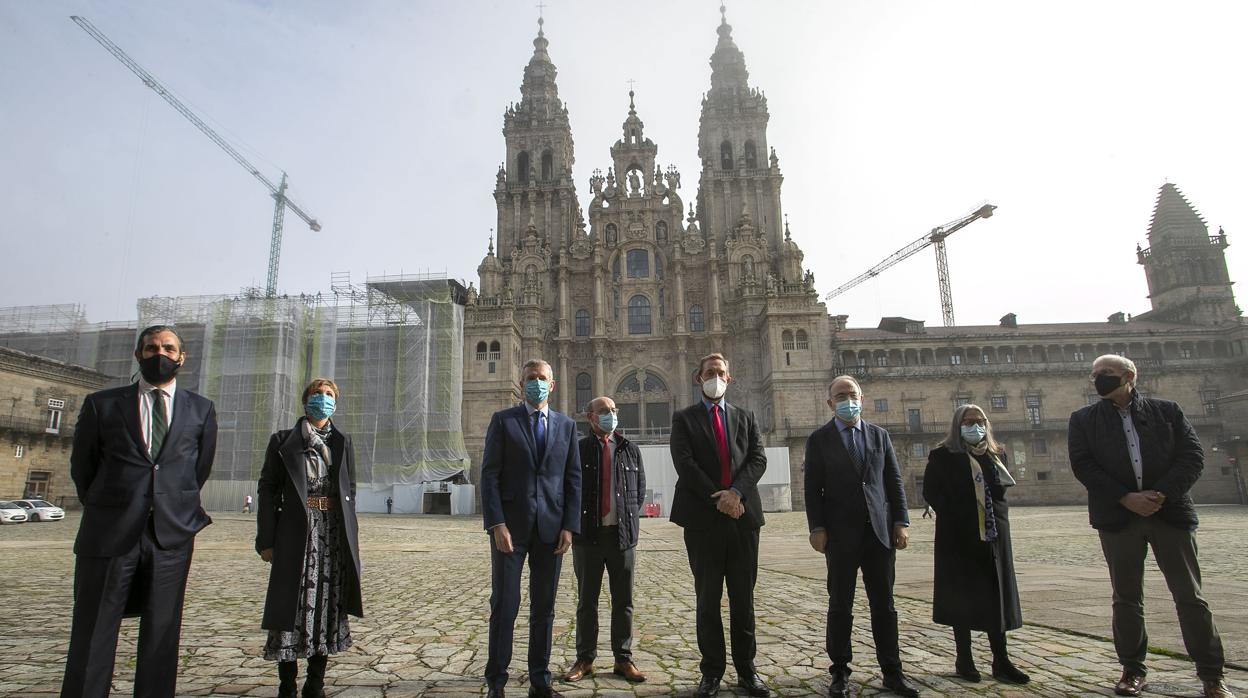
point(247, 504)
point(927, 512)
point(1138, 457)
point(389, 505)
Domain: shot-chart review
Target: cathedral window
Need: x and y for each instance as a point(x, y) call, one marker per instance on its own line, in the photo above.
point(584, 391)
point(548, 165)
point(481, 351)
point(660, 231)
point(638, 264)
point(654, 384)
point(639, 315)
point(582, 323)
point(522, 166)
point(496, 351)
point(725, 156)
point(696, 323)
point(786, 340)
point(629, 385)
point(802, 341)
point(751, 155)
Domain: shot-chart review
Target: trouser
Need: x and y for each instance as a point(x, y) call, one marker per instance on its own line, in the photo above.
point(589, 558)
point(1175, 551)
point(726, 553)
point(101, 587)
point(505, 571)
point(996, 640)
point(878, 572)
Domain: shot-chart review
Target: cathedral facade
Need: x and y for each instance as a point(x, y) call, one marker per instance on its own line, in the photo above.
point(623, 295)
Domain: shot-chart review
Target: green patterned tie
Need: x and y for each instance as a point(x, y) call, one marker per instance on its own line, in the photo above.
point(160, 422)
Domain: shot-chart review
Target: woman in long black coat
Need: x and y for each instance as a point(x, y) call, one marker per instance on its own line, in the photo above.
point(306, 527)
point(975, 586)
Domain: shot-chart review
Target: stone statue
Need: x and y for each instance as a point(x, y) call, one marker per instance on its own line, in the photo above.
point(634, 182)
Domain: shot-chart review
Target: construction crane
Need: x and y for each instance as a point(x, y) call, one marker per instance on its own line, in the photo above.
point(277, 191)
point(936, 237)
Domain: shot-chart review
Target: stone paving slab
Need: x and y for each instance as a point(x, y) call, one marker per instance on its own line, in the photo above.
point(426, 586)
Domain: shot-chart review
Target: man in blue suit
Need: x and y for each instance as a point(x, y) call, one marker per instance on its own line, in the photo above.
point(531, 498)
point(856, 509)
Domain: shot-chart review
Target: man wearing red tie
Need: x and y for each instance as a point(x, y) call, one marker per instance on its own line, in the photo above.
point(719, 459)
point(613, 490)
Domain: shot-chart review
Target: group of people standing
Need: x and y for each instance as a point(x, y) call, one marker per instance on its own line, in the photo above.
point(142, 452)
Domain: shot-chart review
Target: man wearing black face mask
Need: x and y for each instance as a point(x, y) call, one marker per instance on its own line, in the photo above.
point(141, 454)
point(1138, 457)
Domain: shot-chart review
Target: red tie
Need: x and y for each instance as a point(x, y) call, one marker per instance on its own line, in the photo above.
point(721, 445)
point(604, 506)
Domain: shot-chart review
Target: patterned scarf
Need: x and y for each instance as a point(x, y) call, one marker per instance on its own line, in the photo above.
point(316, 456)
point(987, 520)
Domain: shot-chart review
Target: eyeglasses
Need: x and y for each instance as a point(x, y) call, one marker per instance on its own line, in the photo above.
point(980, 422)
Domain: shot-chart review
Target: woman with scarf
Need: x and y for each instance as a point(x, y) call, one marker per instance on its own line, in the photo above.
point(307, 530)
point(975, 588)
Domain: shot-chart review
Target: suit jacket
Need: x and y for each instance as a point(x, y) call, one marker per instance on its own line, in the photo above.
point(697, 466)
point(630, 489)
point(524, 492)
point(282, 522)
point(119, 485)
point(1172, 460)
point(841, 496)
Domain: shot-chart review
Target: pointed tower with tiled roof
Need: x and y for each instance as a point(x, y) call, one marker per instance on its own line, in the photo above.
point(1185, 265)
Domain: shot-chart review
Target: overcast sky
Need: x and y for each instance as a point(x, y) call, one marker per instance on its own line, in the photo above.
point(889, 118)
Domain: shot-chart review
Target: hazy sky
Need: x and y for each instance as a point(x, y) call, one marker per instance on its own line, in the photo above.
point(889, 118)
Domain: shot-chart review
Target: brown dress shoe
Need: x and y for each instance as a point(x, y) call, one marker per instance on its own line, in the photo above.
point(1216, 688)
point(1130, 684)
point(629, 671)
point(579, 670)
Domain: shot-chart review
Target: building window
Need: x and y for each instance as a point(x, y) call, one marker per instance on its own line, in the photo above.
point(493, 367)
point(548, 166)
point(522, 164)
point(918, 449)
point(998, 403)
point(1007, 357)
point(961, 400)
point(751, 155)
point(1185, 353)
point(1077, 356)
point(881, 405)
point(985, 359)
point(55, 404)
point(37, 482)
point(639, 315)
point(881, 360)
point(1039, 447)
point(725, 156)
point(803, 342)
point(914, 419)
point(1034, 416)
point(955, 359)
point(584, 391)
point(54, 422)
point(786, 340)
point(481, 351)
point(1209, 399)
point(496, 351)
point(582, 323)
point(1042, 475)
point(19, 451)
point(638, 264)
point(695, 318)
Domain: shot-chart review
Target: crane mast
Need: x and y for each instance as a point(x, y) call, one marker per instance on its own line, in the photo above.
point(936, 237)
point(278, 192)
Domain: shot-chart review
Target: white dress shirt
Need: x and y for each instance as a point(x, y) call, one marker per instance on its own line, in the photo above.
point(145, 408)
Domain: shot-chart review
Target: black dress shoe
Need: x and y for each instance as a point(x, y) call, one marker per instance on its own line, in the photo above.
point(543, 692)
point(966, 669)
point(897, 683)
point(496, 692)
point(839, 687)
point(753, 684)
point(707, 687)
point(1006, 672)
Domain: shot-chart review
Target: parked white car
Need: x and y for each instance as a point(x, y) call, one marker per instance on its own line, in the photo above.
point(11, 513)
point(39, 510)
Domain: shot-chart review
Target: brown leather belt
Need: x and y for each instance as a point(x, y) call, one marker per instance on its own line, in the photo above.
point(320, 503)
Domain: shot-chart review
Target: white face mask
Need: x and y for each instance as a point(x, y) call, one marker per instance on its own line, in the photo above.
point(714, 388)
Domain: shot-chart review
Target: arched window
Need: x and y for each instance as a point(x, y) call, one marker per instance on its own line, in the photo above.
point(786, 340)
point(725, 156)
point(548, 165)
point(660, 231)
point(751, 155)
point(638, 264)
point(584, 391)
point(481, 351)
point(522, 166)
point(695, 318)
point(582, 323)
point(639, 315)
point(496, 350)
point(803, 342)
point(654, 384)
point(629, 385)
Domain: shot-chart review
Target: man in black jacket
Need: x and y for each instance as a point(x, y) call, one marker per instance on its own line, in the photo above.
point(1138, 457)
point(719, 459)
point(613, 490)
point(141, 454)
point(856, 511)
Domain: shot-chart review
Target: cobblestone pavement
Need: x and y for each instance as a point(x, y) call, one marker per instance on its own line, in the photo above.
point(426, 591)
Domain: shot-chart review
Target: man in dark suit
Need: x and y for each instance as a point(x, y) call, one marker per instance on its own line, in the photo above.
point(141, 454)
point(1138, 457)
point(531, 499)
point(613, 488)
point(719, 458)
point(856, 510)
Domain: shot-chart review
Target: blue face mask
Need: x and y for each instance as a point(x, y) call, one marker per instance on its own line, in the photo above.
point(319, 406)
point(536, 391)
point(848, 410)
point(973, 433)
point(608, 421)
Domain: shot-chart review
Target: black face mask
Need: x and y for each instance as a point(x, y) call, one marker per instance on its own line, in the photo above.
point(158, 369)
point(1106, 384)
